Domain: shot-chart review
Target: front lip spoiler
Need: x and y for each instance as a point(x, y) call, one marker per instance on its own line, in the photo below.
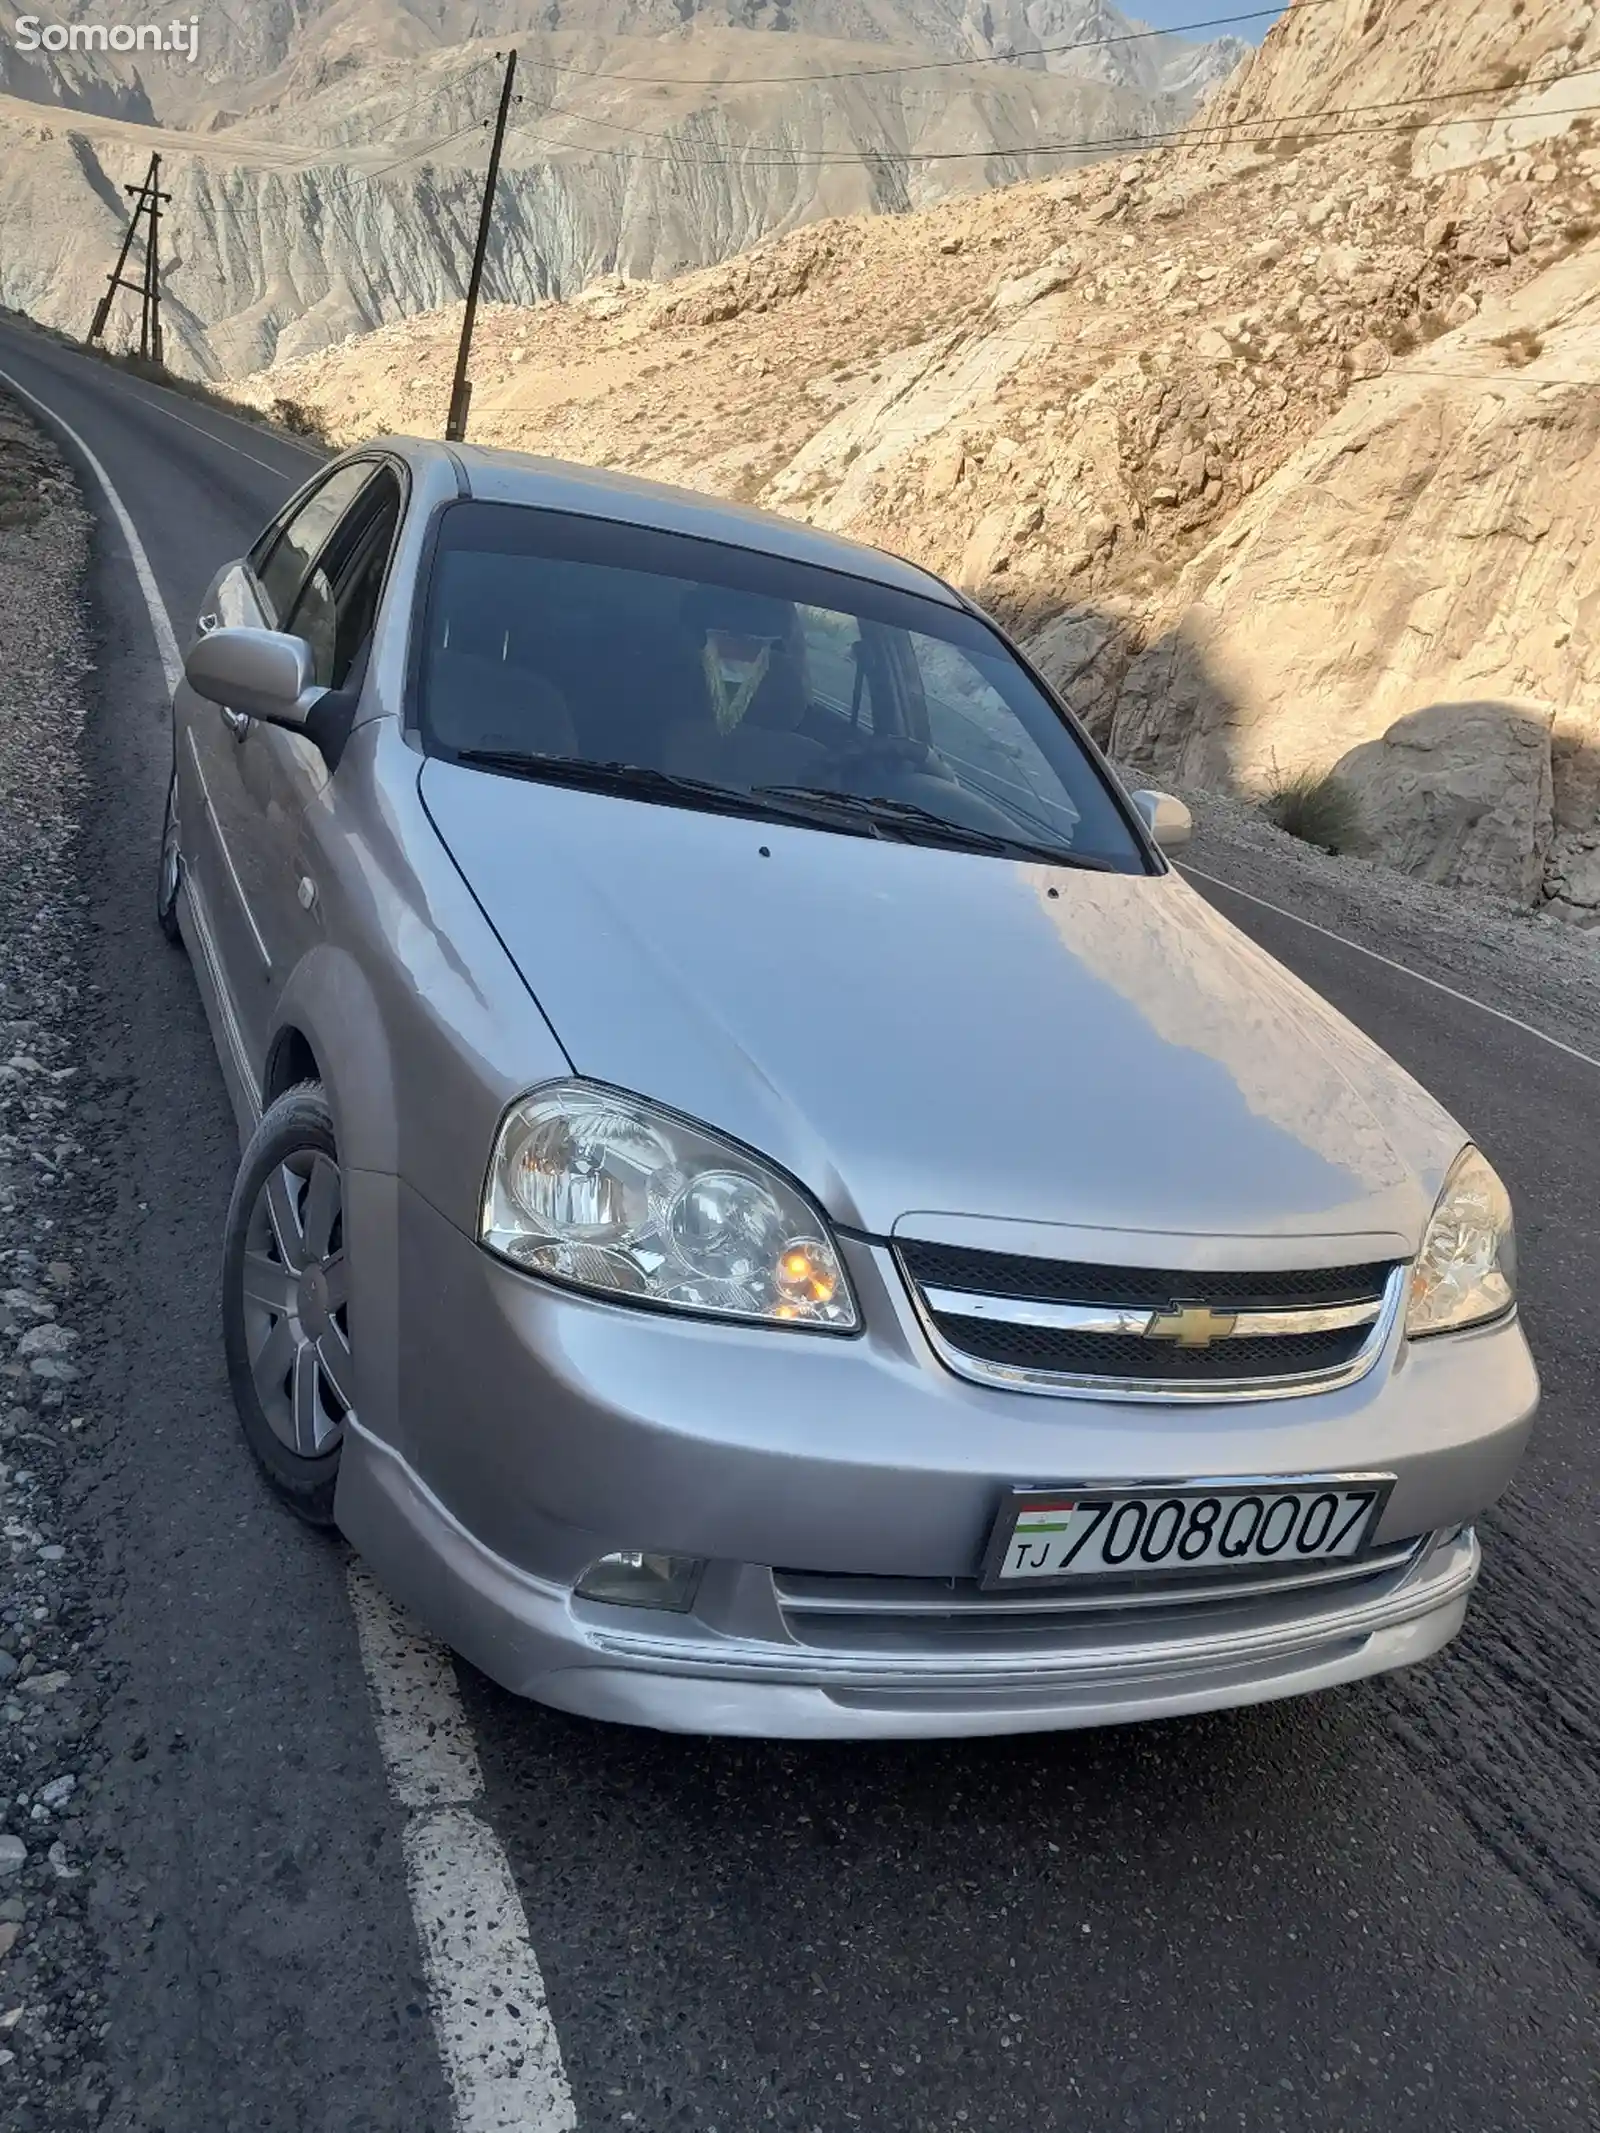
point(742, 1659)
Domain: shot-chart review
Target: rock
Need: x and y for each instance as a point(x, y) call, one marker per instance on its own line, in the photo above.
point(1458, 794)
point(10, 1934)
point(1368, 359)
point(1021, 290)
point(44, 1685)
point(1438, 232)
point(13, 1856)
point(53, 1370)
point(1028, 520)
point(951, 244)
point(1191, 473)
point(986, 553)
point(47, 1339)
point(1461, 310)
point(1213, 347)
point(944, 469)
point(1319, 213)
point(56, 1794)
point(1489, 247)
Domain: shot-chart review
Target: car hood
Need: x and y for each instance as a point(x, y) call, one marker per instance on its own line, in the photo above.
point(951, 1044)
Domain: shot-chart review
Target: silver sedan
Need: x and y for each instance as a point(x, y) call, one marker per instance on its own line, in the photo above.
point(767, 1205)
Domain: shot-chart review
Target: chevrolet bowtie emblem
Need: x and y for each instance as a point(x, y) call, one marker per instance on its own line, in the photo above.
point(1190, 1325)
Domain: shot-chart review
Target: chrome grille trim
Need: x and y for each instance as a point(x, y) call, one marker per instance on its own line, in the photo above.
point(1107, 1318)
point(1384, 1317)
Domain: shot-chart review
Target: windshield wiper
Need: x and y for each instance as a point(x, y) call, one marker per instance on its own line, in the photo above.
point(637, 781)
point(906, 815)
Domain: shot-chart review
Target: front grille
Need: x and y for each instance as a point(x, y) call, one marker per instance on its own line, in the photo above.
point(1110, 1355)
point(948, 1266)
point(1239, 1361)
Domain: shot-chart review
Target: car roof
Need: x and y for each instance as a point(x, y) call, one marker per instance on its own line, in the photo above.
point(504, 477)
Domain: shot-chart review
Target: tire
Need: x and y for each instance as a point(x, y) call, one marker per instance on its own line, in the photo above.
point(169, 871)
point(285, 1291)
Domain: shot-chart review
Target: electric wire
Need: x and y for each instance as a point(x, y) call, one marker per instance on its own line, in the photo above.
point(930, 66)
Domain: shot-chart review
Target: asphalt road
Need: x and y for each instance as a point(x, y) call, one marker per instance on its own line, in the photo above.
point(1377, 1909)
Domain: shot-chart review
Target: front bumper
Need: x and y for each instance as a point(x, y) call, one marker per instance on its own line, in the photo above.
point(524, 1432)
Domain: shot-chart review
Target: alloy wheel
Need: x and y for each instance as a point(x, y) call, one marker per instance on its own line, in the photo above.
point(296, 1303)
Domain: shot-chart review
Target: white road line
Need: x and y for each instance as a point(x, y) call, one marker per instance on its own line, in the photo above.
point(490, 2016)
point(210, 436)
point(160, 620)
point(1417, 977)
point(491, 2021)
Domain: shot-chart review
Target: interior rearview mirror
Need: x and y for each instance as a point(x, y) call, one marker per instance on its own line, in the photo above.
point(1166, 818)
point(262, 673)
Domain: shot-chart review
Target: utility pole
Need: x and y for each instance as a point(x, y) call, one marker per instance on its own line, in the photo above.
point(455, 428)
point(148, 198)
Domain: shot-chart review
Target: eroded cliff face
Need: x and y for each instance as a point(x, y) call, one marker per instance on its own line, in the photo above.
point(332, 210)
point(1426, 568)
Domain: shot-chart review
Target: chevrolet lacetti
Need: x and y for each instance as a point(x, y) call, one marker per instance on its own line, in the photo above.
point(768, 1206)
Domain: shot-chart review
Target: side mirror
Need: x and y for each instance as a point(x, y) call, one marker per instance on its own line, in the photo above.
point(1167, 819)
point(261, 673)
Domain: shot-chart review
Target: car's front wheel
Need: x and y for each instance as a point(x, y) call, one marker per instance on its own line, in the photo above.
point(285, 1301)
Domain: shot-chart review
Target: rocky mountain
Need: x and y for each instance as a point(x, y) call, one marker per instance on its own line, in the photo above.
point(326, 160)
point(1280, 447)
point(251, 57)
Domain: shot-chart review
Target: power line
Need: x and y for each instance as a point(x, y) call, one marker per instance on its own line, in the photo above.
point(930, 66)
point(734, 83)
point(1133, 143)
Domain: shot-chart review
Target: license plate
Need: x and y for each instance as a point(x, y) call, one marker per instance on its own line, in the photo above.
point(1127, 1531)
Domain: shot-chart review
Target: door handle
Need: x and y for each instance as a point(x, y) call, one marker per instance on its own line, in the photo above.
point(237, 722)
point(208, 623)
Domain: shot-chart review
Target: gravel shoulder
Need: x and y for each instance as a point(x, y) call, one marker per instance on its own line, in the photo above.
point(51, 2076)
point(1543, 972)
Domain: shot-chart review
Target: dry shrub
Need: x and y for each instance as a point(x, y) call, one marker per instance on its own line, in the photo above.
point(1316, 807)
point(300, 420)
point(1521, 346)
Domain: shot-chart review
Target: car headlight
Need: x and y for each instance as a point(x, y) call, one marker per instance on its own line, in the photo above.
point(1466, 1271)
point(608, 1193)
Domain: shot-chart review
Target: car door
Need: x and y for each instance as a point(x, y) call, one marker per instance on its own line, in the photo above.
point(242, 783)
point(335, 611)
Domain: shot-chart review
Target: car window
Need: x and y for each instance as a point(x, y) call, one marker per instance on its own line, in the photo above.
point(290, 551)
point(986, 746)
point(338, 601)
point(549, 635)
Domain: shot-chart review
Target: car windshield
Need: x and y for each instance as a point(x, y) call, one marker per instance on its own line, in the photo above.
point(579, 649)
